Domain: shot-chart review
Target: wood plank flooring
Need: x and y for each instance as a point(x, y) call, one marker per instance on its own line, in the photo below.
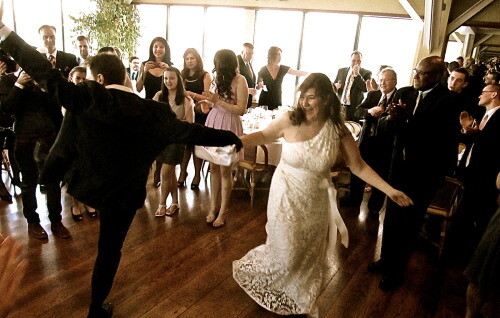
point(181, 267)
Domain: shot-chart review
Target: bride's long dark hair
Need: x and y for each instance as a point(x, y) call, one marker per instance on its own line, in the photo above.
point(324, 90)
point(226, 68)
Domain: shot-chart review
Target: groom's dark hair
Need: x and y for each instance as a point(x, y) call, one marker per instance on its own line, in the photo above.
point(109, 66)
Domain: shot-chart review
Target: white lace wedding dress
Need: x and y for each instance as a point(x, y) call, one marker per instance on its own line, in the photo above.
point(287, 273)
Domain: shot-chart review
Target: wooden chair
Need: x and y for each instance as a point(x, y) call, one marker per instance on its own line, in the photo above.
point(249, 172)
point(444, 205)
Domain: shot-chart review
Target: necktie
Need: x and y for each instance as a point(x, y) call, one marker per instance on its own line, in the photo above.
point(52, 60)
point(346, 96)
point(483, 122)
point(134, 76)
point(383, 102)
point(419, 98)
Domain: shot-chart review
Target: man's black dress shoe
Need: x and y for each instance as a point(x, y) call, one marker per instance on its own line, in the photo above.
point(59, 230)
point(37, 231)
point(104, 312)
point(376, 267)
point(389, 282)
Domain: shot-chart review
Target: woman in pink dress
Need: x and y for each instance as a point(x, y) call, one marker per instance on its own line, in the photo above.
point(229, 101)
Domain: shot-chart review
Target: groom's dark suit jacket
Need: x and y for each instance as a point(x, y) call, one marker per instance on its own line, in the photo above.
point(249, 74)
point(116, 135)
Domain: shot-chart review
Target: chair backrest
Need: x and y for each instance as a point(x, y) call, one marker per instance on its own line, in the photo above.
point(447, 198)
point(354, 128)
point(250, 155)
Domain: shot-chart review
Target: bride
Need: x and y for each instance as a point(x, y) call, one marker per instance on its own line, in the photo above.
point(287, 273)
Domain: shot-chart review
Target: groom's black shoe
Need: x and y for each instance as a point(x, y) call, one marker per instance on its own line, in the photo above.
point(376, 267)
point(104, 311)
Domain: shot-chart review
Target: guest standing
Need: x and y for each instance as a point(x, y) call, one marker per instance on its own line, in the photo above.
point(246, 69)
point(271, 78)
point(150, 78)
point(172, 93)
point(196, 81)
point(229, 103)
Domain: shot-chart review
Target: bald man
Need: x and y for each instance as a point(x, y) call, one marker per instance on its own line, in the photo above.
point(425, 129)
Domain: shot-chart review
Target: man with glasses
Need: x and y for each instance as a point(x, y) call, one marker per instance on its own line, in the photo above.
point(425, 128)
point(375, 147)
point(478, 169)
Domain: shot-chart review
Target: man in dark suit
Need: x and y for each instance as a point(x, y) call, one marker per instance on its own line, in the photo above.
point(59, 59)
point(117, 137)
point(478, 169)
point(425, 129)
point(246, 69)
point(375, 146)
point(351, 84)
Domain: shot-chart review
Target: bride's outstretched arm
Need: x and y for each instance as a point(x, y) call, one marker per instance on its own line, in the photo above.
point(359, 167)
point(272, 132)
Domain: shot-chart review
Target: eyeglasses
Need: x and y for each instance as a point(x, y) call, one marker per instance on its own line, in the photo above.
point(420, 73)
point(487, 92)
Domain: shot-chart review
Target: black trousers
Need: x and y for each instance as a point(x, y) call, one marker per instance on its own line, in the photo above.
point(114, 225)
point(402, 225)
point(30, 155)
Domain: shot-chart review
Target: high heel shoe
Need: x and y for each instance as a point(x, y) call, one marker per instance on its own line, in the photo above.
point(92, 214)
point(181, 182)
point(76, 217)
point(161, 211)
point(195, 185)
point(174, 208)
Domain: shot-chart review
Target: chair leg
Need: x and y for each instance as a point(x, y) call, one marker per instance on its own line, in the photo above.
point(444, 228)
point(252, 187)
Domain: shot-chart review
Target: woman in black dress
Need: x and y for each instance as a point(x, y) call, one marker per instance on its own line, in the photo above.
point(151, 77)
point(196, 81)
point(271, 77)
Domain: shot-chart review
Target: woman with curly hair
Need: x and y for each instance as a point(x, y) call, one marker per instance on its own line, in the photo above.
point(229, 101)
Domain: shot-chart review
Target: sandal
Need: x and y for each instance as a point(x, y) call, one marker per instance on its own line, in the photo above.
point(174, 208)
point(220, 221)
point(161, 211)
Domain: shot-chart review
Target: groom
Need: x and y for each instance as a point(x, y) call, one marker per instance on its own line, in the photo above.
point(117, 136)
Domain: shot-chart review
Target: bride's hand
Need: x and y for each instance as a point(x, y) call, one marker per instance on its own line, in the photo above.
point(400, 198)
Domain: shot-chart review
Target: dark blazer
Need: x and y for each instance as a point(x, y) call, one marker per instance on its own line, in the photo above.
point(357, 89)
point(249, 74)
point(425, 145)
point(369, 128)
point(118, 136)
point(65, 62)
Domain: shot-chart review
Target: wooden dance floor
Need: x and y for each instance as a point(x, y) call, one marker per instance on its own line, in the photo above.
point(181, 267)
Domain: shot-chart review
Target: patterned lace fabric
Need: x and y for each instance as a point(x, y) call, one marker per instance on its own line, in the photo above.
point(287, 273)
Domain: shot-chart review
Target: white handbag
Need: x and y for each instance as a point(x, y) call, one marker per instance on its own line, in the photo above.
point(223, 156)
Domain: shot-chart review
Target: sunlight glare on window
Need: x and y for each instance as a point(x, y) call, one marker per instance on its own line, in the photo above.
point(281, 29)
point(389, 41)
point(185, 30)
point(153, 24)
point(453, 50)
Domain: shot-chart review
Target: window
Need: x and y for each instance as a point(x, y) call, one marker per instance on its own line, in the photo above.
point(29, 18)
point(153, 23)
point(8, 17)
point(281, 29)
point(389, 41)
point(75, 9)
point(324, 48)
point(453, 50)
point(185, 30)
point(226, 28)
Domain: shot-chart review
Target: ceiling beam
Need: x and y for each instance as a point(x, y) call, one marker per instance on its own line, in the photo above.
point(457, 37)
point(483, 24)
point(411, 11)
point(467, 15)
point(483, 49)
point(483, 39)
